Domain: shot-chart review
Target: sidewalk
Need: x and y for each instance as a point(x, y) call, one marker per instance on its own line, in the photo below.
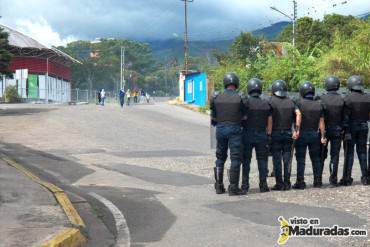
point(29, 213)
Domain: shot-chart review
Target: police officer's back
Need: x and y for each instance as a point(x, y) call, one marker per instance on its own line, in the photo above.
point(312, 121)
point(285, 114)
point(226, 115)
point(257, 127)
point(333, 105)
point(356, 114)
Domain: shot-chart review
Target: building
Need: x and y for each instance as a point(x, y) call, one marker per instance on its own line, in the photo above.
point(40, 73)
point(193, 88)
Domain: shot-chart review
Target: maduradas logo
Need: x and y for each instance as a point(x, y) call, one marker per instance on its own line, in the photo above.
point(310, 227)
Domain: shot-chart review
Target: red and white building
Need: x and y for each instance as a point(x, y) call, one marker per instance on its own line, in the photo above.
point(39, 72)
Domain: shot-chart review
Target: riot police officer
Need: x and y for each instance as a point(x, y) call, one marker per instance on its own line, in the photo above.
point(226, 114)
point(356, 114)
point(257, 128)
point(312, 121)
point(333, 105)
point(285, 114)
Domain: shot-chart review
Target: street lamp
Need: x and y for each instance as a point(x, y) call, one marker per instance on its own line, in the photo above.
point(293, 19)
point(122, 79)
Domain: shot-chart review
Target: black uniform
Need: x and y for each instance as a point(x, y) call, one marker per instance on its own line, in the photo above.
point(283, 118)
point(227, 112)
point(333, 105)
point(255, 136)
point(311, 111)
point(356, 111)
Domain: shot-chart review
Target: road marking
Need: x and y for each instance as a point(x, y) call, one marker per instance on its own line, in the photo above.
point(59, 194)
point(123, 232)
point(70, 237)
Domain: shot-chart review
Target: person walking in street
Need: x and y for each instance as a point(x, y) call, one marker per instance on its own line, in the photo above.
point(257, 128)
point(147, 97)
point(333, 105)
point(128, 93)
point(135, 96)
point(98, 97)
point(356, 115)
point(142, 95)
point(122, 97)
point(226, 115)
point(312, 122)
point(285, 115)
point(102, 96)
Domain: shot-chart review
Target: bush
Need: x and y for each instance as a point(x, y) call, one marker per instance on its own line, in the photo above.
point(11, 94)
point(203, 109)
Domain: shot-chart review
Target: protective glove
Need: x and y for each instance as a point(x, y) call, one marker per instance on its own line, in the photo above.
point(213, 122)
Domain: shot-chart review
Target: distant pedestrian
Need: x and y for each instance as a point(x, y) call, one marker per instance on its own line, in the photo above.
point(135, 96)
point(98, 97)
point(147, 96)
point(142, 95)
point(102, 96)
point(122, 97)
point(128, 93)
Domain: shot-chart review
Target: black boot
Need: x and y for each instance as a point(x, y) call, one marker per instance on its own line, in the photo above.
point(365, 180)
point(300, 184)
point(219, 177)
point(263, 186)
point(279, 184)
point(245, 183)
point(333, 181)
point(234, 182)
point(346, 181)
point(317, 182)
point(287, 184)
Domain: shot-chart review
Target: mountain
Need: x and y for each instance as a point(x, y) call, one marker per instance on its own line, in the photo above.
point(365, 16)
point(174, 48)
point(272, 31)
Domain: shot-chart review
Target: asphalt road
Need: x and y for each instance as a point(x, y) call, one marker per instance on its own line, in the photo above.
point(143, 175)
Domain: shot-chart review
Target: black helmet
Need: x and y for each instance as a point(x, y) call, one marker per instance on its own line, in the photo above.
point(279, 88)
point(332, 83)
point(254, 86)
point(356, 83)
point(231, 78)
point(306, 88)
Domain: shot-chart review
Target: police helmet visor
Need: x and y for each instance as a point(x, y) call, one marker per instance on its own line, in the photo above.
point(281, 93)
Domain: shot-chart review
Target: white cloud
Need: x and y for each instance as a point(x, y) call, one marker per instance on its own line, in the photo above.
point(41, 31)
point(57, 21)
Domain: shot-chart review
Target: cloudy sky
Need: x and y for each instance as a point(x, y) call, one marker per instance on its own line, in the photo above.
point(56, 22)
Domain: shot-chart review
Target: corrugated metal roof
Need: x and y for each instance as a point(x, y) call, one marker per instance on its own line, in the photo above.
point(21, 40)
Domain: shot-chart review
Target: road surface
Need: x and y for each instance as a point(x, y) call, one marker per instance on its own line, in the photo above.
point(143, 176)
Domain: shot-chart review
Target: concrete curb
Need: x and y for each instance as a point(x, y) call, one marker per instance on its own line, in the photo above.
point(70, 237)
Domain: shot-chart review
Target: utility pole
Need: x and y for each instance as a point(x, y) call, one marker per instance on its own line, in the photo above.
point(186, 38)
point(293, 19)
point(122, 81)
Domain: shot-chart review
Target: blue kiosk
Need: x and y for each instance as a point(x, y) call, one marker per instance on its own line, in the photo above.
point(195, 88)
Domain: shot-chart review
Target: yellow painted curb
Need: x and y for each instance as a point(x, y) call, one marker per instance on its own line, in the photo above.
point(70, 237)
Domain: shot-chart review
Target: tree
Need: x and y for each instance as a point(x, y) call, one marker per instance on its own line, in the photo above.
point(312, 33)
point(349, 56)
point(244, 47)
point(5, 55)
point(100, 66)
